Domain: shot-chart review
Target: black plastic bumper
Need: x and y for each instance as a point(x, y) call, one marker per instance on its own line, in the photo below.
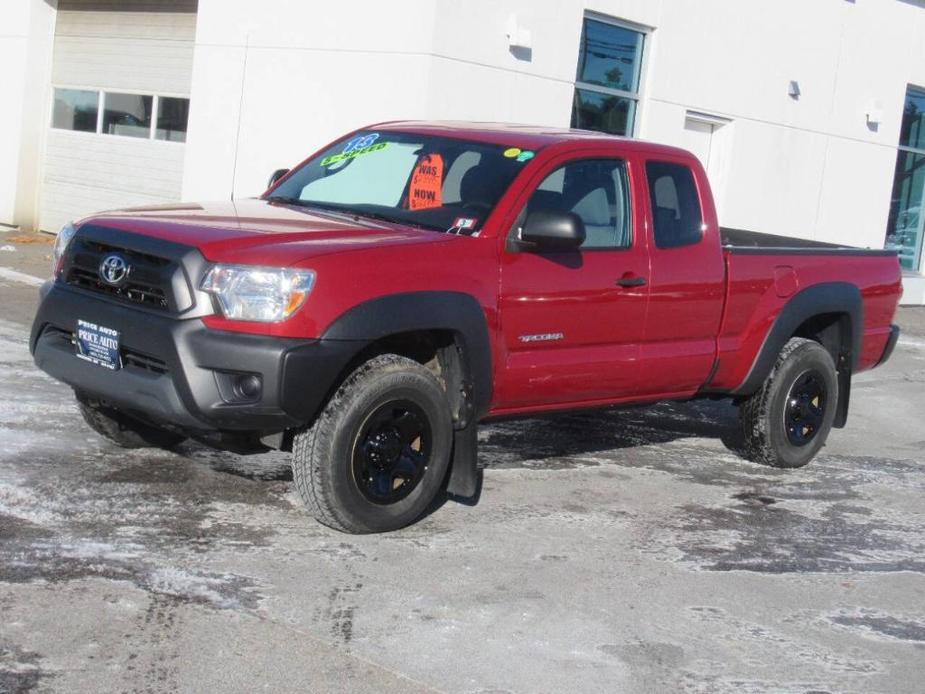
point(890, 345)
point(177, 371)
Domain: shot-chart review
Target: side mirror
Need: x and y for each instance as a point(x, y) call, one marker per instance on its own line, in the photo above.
point(553, 230)
point(275, 176)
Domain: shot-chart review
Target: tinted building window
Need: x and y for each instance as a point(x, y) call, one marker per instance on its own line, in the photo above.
point(608, 77)
point(127, 114)
point(904, 230)
point(172, 117)
point(676, 214)
point(75, 109)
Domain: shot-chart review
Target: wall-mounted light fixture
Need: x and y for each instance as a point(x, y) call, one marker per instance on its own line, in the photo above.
point(793, 91)
point(874, 112)
point(520, 42)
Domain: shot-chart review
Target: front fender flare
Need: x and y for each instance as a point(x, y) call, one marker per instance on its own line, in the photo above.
point(455, 312)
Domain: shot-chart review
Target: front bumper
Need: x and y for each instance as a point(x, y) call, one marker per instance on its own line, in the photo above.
point(177, 372)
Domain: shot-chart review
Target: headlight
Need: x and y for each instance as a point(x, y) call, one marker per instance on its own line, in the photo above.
point(62, 241)
point(263, 294)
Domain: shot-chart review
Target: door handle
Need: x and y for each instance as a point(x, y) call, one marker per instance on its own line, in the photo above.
point(631, 282)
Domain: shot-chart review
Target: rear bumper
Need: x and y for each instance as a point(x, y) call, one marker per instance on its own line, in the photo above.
point(890, 345)
point(179, 372)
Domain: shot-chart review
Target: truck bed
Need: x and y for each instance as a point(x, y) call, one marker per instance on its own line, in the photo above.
point(757, 243)
point(764, 272)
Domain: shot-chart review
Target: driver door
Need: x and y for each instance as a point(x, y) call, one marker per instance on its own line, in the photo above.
point(572, 321)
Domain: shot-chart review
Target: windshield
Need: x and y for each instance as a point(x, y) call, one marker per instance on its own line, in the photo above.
point(433, 182)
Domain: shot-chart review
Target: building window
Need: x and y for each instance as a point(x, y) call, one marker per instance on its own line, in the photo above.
point(127, 114)
point(146, 116)
point(608, 77)
point(904, 226)
point(172, 116)
point(75, 109)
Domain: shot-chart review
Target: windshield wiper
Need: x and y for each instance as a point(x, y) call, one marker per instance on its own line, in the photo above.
point(394, 220)
point(348, 212)
point(331, 209)
point(288, 200)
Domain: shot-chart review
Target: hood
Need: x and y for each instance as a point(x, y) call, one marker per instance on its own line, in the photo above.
point(231, 231)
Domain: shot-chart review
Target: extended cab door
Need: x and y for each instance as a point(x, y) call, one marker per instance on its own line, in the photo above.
point(572, 321)
point(686, 280)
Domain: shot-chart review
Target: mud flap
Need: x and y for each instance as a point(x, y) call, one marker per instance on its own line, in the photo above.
point(844, 396)
point(465, 483)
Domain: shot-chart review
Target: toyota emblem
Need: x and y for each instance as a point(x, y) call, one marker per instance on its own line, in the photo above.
point(114, 269)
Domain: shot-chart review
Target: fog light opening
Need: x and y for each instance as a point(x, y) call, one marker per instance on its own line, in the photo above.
point(247, 386)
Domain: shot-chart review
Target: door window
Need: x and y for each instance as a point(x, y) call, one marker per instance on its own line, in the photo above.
point(597, 191)
point(676, 215)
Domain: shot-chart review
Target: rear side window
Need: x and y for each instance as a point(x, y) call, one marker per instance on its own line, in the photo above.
point(676, 211)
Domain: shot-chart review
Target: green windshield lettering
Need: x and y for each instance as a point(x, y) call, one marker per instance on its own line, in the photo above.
point(335, 158)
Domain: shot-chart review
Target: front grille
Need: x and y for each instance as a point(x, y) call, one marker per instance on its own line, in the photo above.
point(135, 292)
point(148, 283)
point(131, 358)
point(58, 334)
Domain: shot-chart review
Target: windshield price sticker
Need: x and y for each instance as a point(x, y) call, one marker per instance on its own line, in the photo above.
point(464, 223)
point(358, 146)
point(426, 183)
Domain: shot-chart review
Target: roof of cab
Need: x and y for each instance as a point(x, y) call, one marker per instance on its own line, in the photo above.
point(516, 135)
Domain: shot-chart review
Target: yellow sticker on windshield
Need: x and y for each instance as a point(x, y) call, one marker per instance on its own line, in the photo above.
point(512, 152)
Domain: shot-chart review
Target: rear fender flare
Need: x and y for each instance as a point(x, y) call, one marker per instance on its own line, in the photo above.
point(819, 299)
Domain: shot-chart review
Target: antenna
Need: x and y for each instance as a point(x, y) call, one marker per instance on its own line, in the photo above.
point(237, 136)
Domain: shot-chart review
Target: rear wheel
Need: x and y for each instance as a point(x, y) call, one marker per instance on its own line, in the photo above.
point(377, 455)
point(123, 430)
point(788, 420)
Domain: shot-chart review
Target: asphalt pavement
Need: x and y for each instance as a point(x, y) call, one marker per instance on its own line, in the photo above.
point(623, 551)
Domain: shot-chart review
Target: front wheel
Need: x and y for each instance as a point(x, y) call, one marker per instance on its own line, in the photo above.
point(787, 421)
point(377, 455)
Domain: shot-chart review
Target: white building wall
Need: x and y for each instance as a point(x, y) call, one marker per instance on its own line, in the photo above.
point(26, 31)
point(269, 87)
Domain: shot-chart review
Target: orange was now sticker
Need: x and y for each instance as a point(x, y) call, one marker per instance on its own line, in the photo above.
point(426, 182)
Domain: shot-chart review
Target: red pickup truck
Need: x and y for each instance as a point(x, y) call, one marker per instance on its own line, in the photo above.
point(413, 279)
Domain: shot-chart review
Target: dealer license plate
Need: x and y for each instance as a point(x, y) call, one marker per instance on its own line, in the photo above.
point(98, 344)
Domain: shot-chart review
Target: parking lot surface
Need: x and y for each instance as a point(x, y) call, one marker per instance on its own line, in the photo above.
point(623, 551)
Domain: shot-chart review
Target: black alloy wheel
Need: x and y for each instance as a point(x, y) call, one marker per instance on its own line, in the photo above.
point(805, 408)
point(786, 422)
point(392, 452)
point(376, 457)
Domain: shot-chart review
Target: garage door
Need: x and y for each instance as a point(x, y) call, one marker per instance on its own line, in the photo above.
point(121, 83)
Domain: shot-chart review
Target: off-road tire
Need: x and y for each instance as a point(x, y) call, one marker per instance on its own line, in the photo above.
point(123, 430)
point(323, 454)
point(762, 415)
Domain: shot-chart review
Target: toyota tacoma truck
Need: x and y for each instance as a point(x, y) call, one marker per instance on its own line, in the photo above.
point(413, 279)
